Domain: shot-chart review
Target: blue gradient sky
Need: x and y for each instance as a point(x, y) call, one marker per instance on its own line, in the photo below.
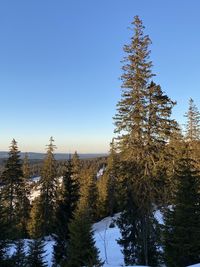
point(60, 66)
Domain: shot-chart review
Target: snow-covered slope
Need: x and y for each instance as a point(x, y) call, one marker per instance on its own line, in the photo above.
point(105, 238)
point(106, 241)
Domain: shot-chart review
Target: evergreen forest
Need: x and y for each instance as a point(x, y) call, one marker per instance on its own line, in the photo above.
point(153, 165)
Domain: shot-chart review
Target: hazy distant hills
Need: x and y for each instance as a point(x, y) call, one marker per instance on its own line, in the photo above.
point(58, 156)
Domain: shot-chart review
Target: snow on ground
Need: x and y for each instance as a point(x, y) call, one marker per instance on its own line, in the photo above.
point(101, 172)
point(106, 234)
point(35, 179)
point(105, 238)
point(106, 242)
point(159, 217)
point(48, 250)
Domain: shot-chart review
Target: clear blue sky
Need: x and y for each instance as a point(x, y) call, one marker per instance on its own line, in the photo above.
point(60, 66)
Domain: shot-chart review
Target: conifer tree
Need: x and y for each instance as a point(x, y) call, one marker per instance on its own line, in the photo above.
point(65, 208)
point(144, 126)
point(193, 131)
point(36, 253)
point(24, 206)
point(26, 167)
point(76, 167)
point(19, 257)
point(82, 250)
point(128, 223)
point(111, 172)
point(102, 204)
point(36, 219)
point(89, 193)
point(131, 224)
point(182, 220)
point(107, 185)
point(12, 183)
point(173, 153)
point(43, 214)
point(193, 122)
point(4, 260)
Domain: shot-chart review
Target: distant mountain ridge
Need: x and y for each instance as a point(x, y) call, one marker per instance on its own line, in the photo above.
point(58, 156)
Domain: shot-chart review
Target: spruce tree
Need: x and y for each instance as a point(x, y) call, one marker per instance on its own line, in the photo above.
point(192, 135)
point(182, 220)
point(144, 126)
point(24, 206)
point(107, 185)
point(12, 183)
point(193, 122)
point(89, 193)
point(82, 250)
point(65, 208)
point(76, 167)
point(26, 167)
point(43, 215)
point(174, 153)
point(131, 223)
point(36, 253)
point(19, 257)
point(36, 219)
point(4, 260)
point(128, 223)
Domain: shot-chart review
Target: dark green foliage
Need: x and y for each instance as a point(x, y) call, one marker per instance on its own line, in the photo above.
point(43, 213)
point(132, 243)
point(182, 230)
point(107, 186)
point(140, 231)
point(24, 206)
point(4, 260)
point(36, 253)
point(3, 236)
point(82, 250)
point(12, 184)
point(26, 167)
point(36, 219)
point(19, 257)
point(65, 208)
point(76, 166)
point(128, 224)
